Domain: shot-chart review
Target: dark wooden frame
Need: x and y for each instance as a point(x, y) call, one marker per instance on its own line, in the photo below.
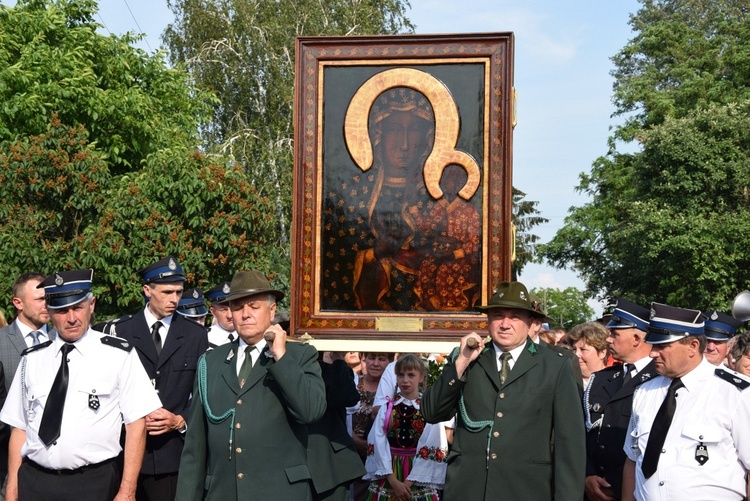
point(314, 55)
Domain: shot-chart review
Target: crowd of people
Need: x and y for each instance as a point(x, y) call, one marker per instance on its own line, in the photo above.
point(157, 406)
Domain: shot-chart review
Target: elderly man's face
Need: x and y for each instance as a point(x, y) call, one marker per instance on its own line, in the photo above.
point(509, 327)
point(716, 351)
point(252, 316)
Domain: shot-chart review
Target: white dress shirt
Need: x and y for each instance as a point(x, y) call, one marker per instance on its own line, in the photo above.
point(710, 411)
point(111, 376)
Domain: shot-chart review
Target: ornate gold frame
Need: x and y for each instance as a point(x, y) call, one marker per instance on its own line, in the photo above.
point(364, 67)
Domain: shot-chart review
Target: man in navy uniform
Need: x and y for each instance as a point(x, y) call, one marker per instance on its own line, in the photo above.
point(222, 329)
point(68, 402)
point(609, 399)
point(720, 328)
point(193, 306)
point(169, 346)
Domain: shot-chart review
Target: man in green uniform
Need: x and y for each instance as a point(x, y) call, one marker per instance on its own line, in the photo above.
point(510, 397)
point(248, 433)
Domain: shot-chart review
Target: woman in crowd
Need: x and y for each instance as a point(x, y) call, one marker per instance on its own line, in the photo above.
point(589, 341)
point(740, 354)
point(375, 364)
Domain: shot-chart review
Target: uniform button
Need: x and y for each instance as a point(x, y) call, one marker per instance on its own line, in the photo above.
point(661, 483)
point(499, 414)
point(238, 450)
point(237, 425)
point(496, 434)
point(94, 391)
point(157, 391)
point(663, 451)
point(240, 475)
point(601, 447)
point(502, 395)
point(158, 373)
point(609, 426)
point(493, 456)
point(239, 402)
point(701, 437)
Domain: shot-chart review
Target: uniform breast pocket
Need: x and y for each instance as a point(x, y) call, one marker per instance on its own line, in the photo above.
point(705, 433)
point(97, 395)
point(702, 443)
point(185, 364)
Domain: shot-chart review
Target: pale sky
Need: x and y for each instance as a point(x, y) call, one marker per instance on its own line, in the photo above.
point(562, 75)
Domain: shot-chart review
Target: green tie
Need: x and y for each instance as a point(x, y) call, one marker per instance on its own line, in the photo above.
point(247, 366)
point(505, 367)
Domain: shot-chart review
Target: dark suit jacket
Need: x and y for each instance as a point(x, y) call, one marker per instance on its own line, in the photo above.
point(12, 345)
point(331, 455)
point(540, 397)
point(173, 373)
point(606, 396)
point(577, 374)
point(267, 458)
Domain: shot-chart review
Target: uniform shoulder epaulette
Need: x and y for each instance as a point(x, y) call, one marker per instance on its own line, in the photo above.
point(734, 379)
point(32, 349)
point(109, 327)
point(117, 342)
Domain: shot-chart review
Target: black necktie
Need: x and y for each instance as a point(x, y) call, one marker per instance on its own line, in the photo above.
point(49, 429)
point(231, 338)
point(628, 373)
point(156, 337)
point(505, 366)
point(659, 429)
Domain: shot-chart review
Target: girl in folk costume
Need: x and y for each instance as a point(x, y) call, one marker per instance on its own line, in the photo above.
point(406, 455)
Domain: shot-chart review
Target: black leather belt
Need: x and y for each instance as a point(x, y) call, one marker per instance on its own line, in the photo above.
point(73, 471)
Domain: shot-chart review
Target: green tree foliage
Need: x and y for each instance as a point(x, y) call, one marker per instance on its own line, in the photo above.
point(566, 307)
point(64, 209)
point(243, 51)
point(525, 217)
point(76, 194)
point(670, 221)
point(52, 61)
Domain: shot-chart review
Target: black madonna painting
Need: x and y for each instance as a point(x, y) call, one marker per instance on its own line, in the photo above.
point(403, 176)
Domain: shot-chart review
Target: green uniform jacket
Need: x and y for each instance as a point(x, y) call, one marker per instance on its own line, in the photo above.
point(266, 459)
point(539, 398)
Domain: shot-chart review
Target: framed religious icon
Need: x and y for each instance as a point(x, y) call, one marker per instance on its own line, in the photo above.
point(402, 187)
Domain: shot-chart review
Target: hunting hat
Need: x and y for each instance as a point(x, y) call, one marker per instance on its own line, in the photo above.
point(250, 283)
point(218, 293)
point(192, 304)
point(720, 326)
point(536, 303)
point(628, 315)
point(163, 271)
point(511, 295)
point(66, 288)
point(670, 323)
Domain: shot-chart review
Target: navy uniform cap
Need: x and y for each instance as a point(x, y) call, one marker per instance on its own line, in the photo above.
point(192, 304)
point(670, 323)
point(720, 326)
point(66, 288)
point(628, 315)
point(218, 293)
point(164, 271)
